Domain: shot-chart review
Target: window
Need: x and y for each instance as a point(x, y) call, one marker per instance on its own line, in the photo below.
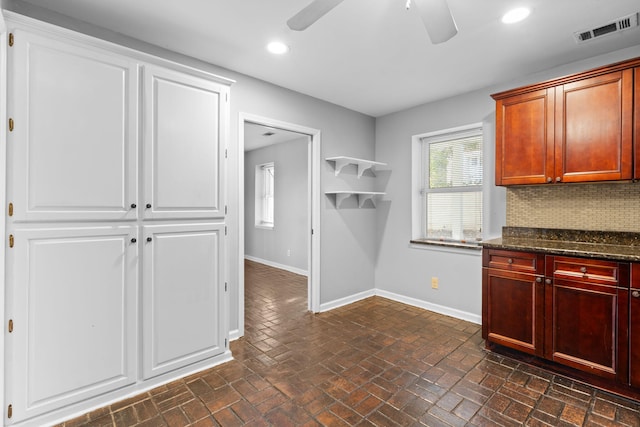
point(265, 180)
point(451, 186)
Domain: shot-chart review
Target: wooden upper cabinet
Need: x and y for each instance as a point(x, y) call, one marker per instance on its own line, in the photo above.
point(594, 128)
point(636, 122)
point(524, 138)
point(577, 128)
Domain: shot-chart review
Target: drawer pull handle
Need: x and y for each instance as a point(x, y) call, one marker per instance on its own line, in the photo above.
point(510, 261)
point(635, 294)
point(583, 270)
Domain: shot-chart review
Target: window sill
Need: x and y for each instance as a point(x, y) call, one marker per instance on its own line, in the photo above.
point(443, 244)
point(264, 226)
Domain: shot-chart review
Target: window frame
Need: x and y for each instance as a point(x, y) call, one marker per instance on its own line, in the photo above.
point(420, 174)
point(262, 195)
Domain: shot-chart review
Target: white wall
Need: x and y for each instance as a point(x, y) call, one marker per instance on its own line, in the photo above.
point(405, 270)
point(348, 242)
point(288, 242)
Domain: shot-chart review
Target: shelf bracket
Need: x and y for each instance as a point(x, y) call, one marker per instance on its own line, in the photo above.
point(362, 199)
point(341, 163)
point(340, 198)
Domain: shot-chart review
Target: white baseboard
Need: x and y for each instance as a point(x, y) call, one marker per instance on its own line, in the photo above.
point(346, 300)
point(234, 335)
point(436, 308)
point(277, 265)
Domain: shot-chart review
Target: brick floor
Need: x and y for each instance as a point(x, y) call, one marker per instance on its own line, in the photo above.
point(372, 363)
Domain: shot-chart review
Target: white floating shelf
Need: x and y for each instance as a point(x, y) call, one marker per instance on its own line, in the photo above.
point(363, 196)
point(363, 165)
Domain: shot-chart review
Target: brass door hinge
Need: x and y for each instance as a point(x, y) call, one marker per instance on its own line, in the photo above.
point(10, 124)
point(11, 240)
point(10, 411)
point(10, 325)
point(10, 209)
point(10, 39)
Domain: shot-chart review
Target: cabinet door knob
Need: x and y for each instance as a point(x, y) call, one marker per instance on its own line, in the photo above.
point(583, 270)
point(558, 179)
point(133, 240)
point(538, 279)
point(547, 281)
point(149, 239)
point(133, 206)
point(148, 205)
point(635, 294)
point(510, 261)
point(549, 180)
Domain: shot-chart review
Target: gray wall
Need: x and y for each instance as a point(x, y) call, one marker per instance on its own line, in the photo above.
point(407, 271)
point(290, 206)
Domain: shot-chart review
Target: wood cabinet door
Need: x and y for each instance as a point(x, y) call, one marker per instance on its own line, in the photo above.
point(73, 150)
point(525, 138)
point(586, 327)
point(594, 130)
point(634, 325)
point(636, 123)
point(74, 315)
point(184, 149)
point(513, 310)
point(182, 301)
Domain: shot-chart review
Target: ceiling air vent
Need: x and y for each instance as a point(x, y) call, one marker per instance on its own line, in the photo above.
point(620, 24)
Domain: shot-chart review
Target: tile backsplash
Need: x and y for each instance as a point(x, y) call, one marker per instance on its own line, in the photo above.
point(604, 206)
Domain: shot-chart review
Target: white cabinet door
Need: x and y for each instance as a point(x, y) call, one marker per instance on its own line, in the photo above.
point(74, 316)
point(184, 144)
point(182, 302)
point(73, 150)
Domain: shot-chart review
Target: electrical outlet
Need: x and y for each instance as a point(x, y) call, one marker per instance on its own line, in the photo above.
point(288, 252)
point(434, 283)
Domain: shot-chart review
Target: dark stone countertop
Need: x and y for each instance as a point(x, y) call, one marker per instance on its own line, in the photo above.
point(610, 245)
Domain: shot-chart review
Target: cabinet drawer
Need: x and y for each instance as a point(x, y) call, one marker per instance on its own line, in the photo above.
point(588, 270)
point(513, 261)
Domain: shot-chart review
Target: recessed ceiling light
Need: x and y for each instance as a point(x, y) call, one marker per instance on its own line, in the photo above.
point(515, 15)
point(277, 48)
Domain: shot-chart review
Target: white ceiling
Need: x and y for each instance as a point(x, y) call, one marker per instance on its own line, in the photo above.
point(371, 56)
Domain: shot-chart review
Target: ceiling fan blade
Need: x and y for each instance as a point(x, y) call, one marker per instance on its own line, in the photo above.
point(310, 14)
point(437, 19)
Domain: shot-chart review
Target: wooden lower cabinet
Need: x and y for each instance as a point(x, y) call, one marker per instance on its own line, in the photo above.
point(634, 327)
point(513, 295)
point(586, 307)
point(576, 314)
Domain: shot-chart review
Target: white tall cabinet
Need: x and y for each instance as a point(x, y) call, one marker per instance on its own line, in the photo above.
point(115, 226)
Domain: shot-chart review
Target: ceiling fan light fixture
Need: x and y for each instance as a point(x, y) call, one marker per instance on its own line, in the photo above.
point(277, 48)
point(515, 15)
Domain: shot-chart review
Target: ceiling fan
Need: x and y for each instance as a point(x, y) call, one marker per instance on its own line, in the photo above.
point(435, 15)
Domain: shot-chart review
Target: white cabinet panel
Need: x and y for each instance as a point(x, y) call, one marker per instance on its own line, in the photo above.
point(183, 285)
point(73, 152)
point(74, 314)
point(184, 145)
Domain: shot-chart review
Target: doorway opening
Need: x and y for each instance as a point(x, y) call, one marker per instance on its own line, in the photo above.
point(296, 250)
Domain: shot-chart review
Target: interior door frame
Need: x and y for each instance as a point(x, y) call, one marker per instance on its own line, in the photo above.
point(313, 208)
